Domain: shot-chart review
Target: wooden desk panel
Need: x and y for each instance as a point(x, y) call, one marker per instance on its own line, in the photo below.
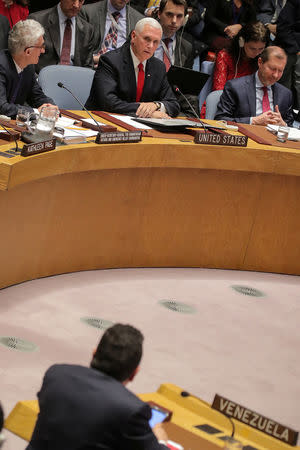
point(158, 203)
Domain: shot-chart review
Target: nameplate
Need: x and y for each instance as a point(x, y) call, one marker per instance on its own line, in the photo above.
point(221, 139)
point(118, 137)
point(38, 147)
point(255, 420)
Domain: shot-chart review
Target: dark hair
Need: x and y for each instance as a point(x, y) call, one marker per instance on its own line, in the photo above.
point(119, 351)
point(163, 3)
point(273, 50)
point(256, 32)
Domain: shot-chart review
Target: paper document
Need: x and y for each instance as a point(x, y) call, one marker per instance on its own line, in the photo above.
point(294, 133)
point(93, 121)
point(130, 121)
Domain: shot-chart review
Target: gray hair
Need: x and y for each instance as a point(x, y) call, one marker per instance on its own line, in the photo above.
point(147, 21)
point(24, 33)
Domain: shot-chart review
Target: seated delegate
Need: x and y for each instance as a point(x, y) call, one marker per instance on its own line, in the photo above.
point(240, 59)
point(258, 99)
point(18, 84)
point(130, 80)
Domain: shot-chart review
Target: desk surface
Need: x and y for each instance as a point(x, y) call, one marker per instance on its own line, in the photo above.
point(156, 203)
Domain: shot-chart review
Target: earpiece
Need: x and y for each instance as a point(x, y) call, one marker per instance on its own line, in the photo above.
point(241, 41)
point(186, 18)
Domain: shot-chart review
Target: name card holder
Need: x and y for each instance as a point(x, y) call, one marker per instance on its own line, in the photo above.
point(118, 137)
point(230, 140)
point(38, 147)
point(255, 420)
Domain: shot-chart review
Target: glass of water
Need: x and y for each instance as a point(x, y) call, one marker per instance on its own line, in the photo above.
point(46, 122)
point(22, 117)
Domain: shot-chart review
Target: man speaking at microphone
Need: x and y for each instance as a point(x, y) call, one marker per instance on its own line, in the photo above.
point(130, 80)
point(18, 84)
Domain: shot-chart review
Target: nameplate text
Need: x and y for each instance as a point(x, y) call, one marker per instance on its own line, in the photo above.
point(255, 420)
point(231, 140)
point(38, 147)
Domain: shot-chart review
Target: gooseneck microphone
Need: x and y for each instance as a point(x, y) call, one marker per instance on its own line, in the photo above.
point(61, 85)
point(187, 394)
point(13, 136)
point(176, 88)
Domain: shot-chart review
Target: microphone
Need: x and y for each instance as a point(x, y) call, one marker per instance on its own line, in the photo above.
point(13, 136)
point(61, 85)
point(176, 88)
point(187, 394)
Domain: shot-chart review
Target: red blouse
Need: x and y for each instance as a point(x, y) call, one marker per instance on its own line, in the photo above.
point(14, 13)
point(225, 68)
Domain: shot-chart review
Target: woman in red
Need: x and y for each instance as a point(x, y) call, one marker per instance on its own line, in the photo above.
point(241, 58)
point(14, 10)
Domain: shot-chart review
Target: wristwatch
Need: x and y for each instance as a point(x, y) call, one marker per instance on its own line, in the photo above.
point(158, 106)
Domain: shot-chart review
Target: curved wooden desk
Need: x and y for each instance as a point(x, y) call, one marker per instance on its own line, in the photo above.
point(157, 203)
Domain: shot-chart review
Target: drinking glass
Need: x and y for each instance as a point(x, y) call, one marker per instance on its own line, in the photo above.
point(22, 117)
point(46, 122)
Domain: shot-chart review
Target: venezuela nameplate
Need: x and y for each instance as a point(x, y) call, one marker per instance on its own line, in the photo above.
point(255, 420)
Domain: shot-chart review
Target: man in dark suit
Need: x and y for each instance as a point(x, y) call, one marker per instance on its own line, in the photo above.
point(258, 99)
point(18, 84)
point(60, 22)
point(109, 17)
point(90, 408)
point(173, 48)
point(130, 80)
point(268, 12)
point(4, 30)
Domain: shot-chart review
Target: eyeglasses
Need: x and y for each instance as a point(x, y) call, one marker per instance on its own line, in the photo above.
point(41, 47)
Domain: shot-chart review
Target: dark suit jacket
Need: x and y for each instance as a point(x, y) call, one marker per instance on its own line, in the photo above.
point(219, 15)
point(288, 27)
point(84, 39)
point(95, 13)
point(114, 85)
point(266, 10)
point(4, 29)
point(238, 101)
point(29, 90)
point(84, 409)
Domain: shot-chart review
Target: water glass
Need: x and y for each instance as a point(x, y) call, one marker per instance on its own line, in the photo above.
point(282, 134)
point(46, 122)
point(22, 117)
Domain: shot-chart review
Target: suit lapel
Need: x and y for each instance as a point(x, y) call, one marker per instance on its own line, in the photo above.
point(149, 77)
point(54, 30)
point(275, 95)
point(79, 40)
point(129, 74)
point(251, 94)
point(102, 12)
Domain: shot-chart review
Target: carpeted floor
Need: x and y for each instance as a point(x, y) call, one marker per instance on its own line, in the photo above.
point(220, 339)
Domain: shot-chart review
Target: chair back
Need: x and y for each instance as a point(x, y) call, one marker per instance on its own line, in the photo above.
point(77, 79)
point(212, 101)
point(206, 67)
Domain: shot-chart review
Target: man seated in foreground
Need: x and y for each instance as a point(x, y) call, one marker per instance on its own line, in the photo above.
point(18, 84)
point(130, 80)
point(258, 99)
point(90, 408)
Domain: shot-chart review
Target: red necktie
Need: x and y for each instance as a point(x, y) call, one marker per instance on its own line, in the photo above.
point(165, 57)
point(66, 46)
point(265, 100)
point(140, 82)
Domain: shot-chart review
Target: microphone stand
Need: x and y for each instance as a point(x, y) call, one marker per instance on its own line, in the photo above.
point(61, 85)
